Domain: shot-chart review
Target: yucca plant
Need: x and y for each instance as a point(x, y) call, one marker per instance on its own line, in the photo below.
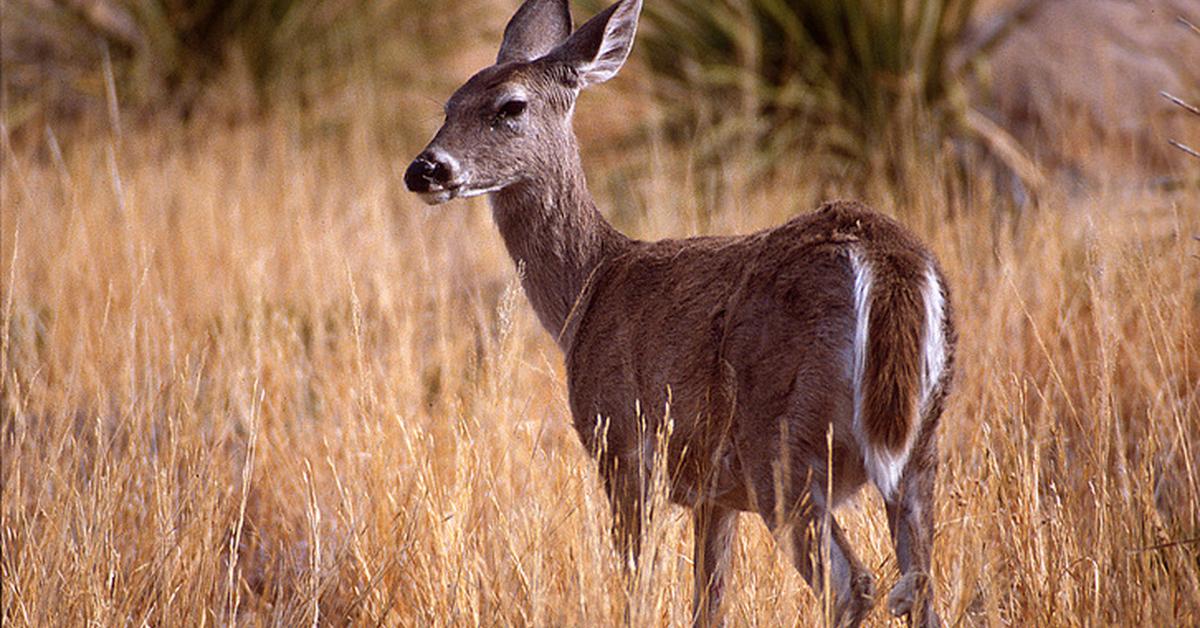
point(863, 82)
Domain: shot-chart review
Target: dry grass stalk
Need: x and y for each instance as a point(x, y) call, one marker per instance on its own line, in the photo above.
point(243, 294)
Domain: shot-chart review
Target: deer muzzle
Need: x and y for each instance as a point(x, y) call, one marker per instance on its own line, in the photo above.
point(432, 176)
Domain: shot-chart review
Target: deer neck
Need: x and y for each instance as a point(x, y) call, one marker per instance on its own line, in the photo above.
point(557, 238)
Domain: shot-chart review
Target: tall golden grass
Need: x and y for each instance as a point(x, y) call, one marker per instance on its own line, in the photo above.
point(248, 379)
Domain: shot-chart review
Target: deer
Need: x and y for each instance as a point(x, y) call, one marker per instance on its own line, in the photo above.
point(795, 364)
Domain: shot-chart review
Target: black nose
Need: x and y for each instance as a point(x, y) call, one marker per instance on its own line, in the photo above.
point(425, 170)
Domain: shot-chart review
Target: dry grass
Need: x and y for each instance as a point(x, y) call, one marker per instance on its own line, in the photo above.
point(247, 378)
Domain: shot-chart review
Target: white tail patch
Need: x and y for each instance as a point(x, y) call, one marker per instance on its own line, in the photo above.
point(933, 346)
point(862, 319)
point(883, 467)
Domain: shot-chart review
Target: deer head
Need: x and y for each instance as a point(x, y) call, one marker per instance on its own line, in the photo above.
point(511, 121)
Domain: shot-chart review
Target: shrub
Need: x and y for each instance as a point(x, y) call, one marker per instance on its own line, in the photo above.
point(863, 83)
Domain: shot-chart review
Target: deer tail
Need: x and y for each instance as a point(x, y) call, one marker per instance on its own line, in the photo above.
point(899, 356)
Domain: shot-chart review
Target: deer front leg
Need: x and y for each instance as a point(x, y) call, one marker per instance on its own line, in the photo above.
point(910, 518)
point(712, 544)
point(626, 486)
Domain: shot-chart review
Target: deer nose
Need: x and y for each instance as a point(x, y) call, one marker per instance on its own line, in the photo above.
point(425, 171)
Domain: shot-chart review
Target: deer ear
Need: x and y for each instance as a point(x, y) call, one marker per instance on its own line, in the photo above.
point(535, 29)
point(599, 48)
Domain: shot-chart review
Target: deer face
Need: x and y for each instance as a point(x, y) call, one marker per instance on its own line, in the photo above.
point(512, 121)
point(501, 126)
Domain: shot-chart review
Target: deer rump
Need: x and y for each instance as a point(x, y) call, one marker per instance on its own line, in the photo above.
point(759, 345)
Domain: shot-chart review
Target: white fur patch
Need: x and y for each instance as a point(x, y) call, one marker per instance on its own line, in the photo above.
point(862, 319)
point(882, 466)
point(933, 347)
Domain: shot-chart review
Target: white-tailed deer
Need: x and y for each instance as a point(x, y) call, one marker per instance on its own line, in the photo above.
point(837, 322)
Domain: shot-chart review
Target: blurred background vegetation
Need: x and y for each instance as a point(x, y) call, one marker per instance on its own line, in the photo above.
point(859, 87)
point(851, 80)
point(249, 378)
point(167, 59)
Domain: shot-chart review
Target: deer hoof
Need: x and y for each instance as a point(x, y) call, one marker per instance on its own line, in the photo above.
point(904, 595)
point(858, 603)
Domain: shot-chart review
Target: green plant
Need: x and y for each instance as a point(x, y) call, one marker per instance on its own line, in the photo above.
point(863, 82)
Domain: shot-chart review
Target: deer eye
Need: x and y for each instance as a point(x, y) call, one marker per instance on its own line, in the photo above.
point(511, 109)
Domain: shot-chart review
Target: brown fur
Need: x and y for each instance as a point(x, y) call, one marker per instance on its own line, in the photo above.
point(892, 377)
point(747, 341)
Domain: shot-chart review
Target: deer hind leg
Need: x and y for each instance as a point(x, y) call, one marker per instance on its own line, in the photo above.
point(850, 583)
point(715, 527)
point(819, 547)
point(910, 518)
point(909, 497)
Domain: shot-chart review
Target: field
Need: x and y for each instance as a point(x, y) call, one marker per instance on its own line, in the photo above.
point(247, 378)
